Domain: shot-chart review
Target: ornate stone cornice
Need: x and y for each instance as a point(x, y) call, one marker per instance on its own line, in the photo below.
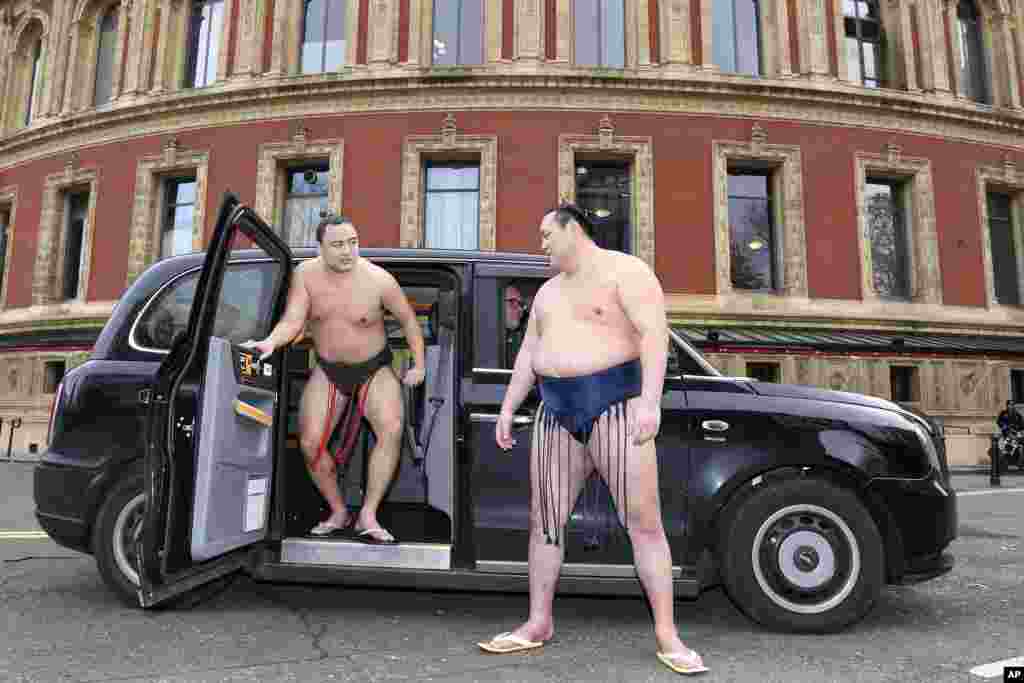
point(705, 95)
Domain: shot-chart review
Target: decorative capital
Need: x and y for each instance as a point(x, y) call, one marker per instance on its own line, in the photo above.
point(893, 152)
point(300, 134)
point(449, 130)
point(1010, 167)
point(758, 135)
point(171, 148)
point(71, 163)
point(605, 132)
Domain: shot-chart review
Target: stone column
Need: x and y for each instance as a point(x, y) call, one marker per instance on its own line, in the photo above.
point(934, 52)
point(947, 19)
point(493, 28)
point(139, 78)
point(381, 49)
point(140, 36)
point(78, 32)
point(839, 30)
point(528, 33)
point(674, 29)
point(563, 32)
point(124, 30)
point(249, 45)
point(279, 43)
point(1005, 81)
point(706, 21)
point(813, 37)
point(6, 63)
point(643, 33)
point(907, 54)
point(160, 72)
point(229, 19)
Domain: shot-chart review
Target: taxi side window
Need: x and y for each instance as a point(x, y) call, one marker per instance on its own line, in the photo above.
point(516, 298)
point(243, 313)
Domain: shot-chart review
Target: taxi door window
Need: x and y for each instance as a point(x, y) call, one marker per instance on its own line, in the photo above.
point(241, 315)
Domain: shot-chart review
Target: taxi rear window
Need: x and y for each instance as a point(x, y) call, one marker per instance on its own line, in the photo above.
point(243, 312)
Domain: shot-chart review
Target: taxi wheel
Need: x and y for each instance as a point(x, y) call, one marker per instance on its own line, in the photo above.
point(802, 555)
point(117, 527)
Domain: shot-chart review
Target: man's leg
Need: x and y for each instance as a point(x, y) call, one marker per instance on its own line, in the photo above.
point(635, 468)
point(313, 420)
point(384, 411)
point(552, 452)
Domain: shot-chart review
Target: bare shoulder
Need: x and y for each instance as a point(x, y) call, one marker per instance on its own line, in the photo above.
point(626, 267)
point(306, 270)
point(546, 290)
point(380, 275)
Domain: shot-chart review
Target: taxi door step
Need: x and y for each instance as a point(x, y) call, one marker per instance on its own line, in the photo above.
point(349, 553)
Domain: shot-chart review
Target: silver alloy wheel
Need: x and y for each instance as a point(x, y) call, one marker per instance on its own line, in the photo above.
point(126, 532)
point(806, 559)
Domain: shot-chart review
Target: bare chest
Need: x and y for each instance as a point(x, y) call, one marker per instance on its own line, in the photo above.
point(349, 304)
point(595, 303)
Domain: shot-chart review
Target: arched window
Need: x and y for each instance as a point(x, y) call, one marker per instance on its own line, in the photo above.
point(973, 74)
point(204, 42)
point(35, 82)
point(736, 36)
point(105, 50)
point(864, 43)
point(323, 36)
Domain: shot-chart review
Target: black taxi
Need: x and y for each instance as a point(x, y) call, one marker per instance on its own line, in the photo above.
point(173, 455)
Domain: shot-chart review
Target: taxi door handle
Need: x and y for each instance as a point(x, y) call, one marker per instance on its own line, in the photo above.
point(715, 425)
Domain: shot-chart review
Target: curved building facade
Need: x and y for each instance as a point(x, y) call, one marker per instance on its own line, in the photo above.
point(831, 191)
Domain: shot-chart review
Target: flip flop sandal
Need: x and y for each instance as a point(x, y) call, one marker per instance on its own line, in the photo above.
point(682, 663)
point(511, 644)
point(327, 529)
point(367, 536)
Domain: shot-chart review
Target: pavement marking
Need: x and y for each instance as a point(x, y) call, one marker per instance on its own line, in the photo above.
point(994, 669)
point(985, 492)
point(22, 535)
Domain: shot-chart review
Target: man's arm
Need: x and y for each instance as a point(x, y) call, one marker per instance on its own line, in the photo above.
point(523, 378)
point(397, 303)
point(644, 304)
point(292, 322)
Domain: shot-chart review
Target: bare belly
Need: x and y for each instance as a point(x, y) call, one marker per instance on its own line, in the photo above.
point(575, 350)
point(343, 343)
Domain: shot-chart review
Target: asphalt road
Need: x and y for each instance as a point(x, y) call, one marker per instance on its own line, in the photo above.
point(63, 625)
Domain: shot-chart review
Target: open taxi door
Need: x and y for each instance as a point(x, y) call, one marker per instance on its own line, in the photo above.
point(213, 417)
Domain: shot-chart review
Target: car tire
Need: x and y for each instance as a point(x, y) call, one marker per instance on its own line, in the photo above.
point(802, 555)
point(117, 525)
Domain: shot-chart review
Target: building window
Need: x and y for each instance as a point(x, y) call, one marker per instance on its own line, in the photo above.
point(305, 202)
point(751, 230)
point(179, 217)
point(105, 51)
point(451, 216)
point(736, 36)
point(603, 190)
point(458, 32)
point(1004, 249)
point(863, 42)
point(35, 82)
point(204, 42)
point(74, 236)
point(53, 373)
point(323, 36)
point(1017, 386)
point(600, 34)
point(887, 226)
point(973, 73)
point(903, 381)
point(763, 372)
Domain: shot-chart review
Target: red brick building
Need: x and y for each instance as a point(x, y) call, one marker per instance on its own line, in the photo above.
point(830, 191)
